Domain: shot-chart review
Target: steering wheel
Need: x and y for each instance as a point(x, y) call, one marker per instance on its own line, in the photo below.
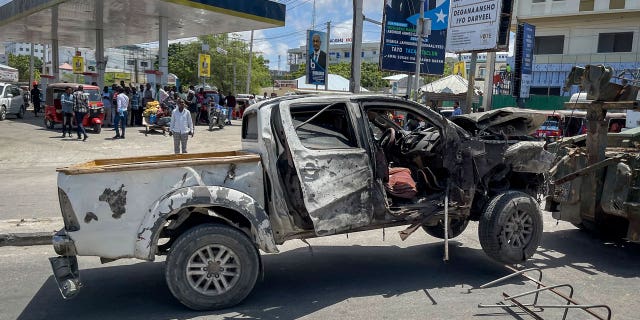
point(388, 139)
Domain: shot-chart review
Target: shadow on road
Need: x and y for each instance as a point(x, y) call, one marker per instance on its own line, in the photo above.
point(588, 254)
point(296, 283)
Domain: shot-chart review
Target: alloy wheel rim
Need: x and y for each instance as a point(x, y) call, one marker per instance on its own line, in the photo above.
point(213, 270)
point(518, 229)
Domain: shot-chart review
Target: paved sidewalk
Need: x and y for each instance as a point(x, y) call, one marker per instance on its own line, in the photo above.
point(28, 232)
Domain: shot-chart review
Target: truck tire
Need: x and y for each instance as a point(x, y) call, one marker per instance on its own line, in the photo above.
point(511, 227)
point(456, 227)
point(212, 266)
point(3, 113)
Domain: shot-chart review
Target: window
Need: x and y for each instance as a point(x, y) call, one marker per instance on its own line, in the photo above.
point(586, 5)
point(21, 49)
point(615, 42)
point(144, 64)
point(362, 54)
point(549, 45)
point(374, 52)
point(347, 54)
point(538, 1)
point(330, 129)
point(616, 4)
point(131, 62)
point(250, 126)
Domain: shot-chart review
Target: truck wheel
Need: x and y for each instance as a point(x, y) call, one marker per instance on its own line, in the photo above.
point(20, 113)
point(212, 266)
point(3, 113)
point(511, 227)
point(456, 227)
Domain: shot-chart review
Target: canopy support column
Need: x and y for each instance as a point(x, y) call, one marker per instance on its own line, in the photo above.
point(101, 64)
point(163, 52)
point(55, 55)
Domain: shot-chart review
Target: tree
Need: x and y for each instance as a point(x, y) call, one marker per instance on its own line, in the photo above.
point(21, 62)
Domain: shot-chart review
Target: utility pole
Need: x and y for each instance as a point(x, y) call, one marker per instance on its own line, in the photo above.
point(488, 81)
point(326, 72)
point(31, 78)
point(419, 27)
point(234, 79)
point(249, 68)
point(313, 21)
point(471, 83)
point(356, 46)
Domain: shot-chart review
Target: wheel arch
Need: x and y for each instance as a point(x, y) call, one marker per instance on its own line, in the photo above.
point(197, 204)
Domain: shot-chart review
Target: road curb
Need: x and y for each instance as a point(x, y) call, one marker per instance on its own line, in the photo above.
point(28, 232)
point(25, 239)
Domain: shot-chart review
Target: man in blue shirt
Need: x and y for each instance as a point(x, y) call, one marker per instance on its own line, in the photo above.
point(456, 109)
point(66, 100)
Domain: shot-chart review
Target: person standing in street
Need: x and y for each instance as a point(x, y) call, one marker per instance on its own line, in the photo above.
point(192, 100)
point(108, 110)
point(180, 128)
point(456, 109)
point(66, 100)
point(121, 113)
point(147, 96)
point(80, 108)
point(231, 106)
point(35, 98)
point(136, 110)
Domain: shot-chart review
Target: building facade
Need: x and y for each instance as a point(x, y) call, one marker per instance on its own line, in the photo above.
point(338, 52)
point(579, 32)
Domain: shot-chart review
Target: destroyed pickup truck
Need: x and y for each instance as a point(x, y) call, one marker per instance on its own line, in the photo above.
point(309, 167)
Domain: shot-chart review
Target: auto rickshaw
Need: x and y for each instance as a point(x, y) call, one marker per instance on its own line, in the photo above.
point(53, 107)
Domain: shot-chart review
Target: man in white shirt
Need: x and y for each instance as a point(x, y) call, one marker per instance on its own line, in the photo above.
point(121, 113)
point(181, 126)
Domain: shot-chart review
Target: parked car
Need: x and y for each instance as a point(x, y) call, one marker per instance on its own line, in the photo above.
point(309, 167)
point(11, 101)
point(569, 123)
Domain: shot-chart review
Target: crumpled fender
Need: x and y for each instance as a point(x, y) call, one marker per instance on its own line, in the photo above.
point(529, 156)
point(203, 196)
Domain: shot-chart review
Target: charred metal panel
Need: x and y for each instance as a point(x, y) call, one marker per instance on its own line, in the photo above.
point(529, 156)
point(202, 196)
point(616, 185)
point(336, 183)
point(117, 200)
point(109, 237)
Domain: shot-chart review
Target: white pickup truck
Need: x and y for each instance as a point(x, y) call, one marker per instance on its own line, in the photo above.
point(309, 167)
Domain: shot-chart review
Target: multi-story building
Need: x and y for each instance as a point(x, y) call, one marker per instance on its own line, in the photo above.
point(23, 48)
point(338, 52)
point(502, 59)
point(579, 32)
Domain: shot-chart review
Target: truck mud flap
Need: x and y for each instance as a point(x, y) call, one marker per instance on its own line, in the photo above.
point(65, 271)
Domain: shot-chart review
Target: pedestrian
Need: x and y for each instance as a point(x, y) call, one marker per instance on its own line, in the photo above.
point(66, 100)
point(192, 100)
point(181, 126)
point(35, 98)
point(121, 113)
point(80, 109)
point(147, 96)
point(107, 105)
point(231, 106)
point(136, 109)
point(456, 109)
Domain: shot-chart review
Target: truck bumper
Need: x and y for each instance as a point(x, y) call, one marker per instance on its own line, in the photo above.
point(65, 266)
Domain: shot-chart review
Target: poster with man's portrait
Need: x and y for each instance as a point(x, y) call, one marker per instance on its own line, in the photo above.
point(317, 57)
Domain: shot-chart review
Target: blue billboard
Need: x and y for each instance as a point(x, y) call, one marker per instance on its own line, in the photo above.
point(524, 59)
point(317, 58)
point(399, 41)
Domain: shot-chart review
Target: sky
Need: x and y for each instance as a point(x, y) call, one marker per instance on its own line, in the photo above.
point(299, 18)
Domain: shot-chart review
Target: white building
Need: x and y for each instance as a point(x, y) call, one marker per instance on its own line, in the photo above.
point(23, 48)
point(579, 32)
point(502, 58)
point(338, 52)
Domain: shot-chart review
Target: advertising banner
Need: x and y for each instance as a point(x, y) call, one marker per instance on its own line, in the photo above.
point(78, 64)
point(474, 25)
point(204, 65)
point(524, 59)
point(399, 40)
point(460, 69)
point(317, 58)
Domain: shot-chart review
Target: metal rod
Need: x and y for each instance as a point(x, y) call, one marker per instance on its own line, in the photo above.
point(446, 223)
point(542, 289)
point(524, 308)
point(516, 273)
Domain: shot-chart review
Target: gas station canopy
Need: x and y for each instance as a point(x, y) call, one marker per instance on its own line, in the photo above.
point(74, 22)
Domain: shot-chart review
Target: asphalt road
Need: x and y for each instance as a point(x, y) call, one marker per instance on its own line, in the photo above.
point(360, 276)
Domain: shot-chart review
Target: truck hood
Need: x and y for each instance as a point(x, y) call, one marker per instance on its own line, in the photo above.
point(508, 121)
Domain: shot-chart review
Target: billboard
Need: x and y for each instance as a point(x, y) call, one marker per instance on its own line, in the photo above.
point(204, 65)
point(399, 41)
point(479, 25)
point(523, 69)
point(78, 64)
point(317, 58)
point(460, 69)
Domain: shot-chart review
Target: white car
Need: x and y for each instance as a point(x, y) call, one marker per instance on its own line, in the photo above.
point(11, 101)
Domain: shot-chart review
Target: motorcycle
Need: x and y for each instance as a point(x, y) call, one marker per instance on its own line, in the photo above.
point(217, 116)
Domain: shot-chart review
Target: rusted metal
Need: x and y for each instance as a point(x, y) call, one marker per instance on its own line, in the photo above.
point(541, 287)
